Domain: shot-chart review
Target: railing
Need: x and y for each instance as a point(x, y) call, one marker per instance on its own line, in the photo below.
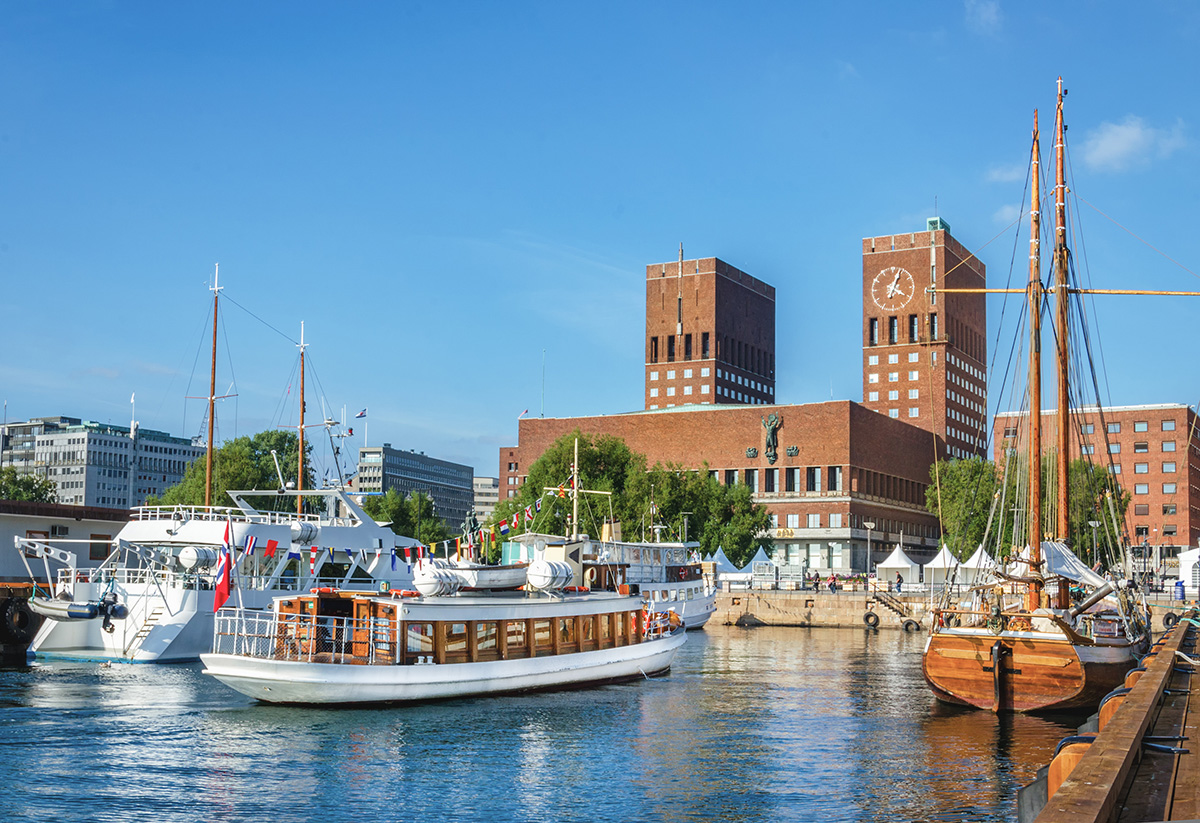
point(192, 580)
point(219, 513)
point(303, 637)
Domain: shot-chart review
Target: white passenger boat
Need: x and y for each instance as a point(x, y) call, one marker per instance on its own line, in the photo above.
point(152, 599)
point(342, 647)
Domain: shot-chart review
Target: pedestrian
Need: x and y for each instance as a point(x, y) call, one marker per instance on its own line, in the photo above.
point(832, 583)
point(899, 582)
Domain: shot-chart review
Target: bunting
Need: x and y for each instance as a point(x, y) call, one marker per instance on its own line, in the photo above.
point(312, 562)
point(272, 545)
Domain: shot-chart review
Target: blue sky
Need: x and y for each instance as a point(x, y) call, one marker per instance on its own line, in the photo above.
point(444, 191)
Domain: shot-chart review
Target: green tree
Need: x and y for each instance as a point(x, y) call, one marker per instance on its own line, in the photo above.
point(960, 495)
point(411, 516)
point(26, 487)
point(244, 463)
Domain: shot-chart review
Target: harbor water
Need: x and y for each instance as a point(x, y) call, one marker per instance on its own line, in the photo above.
point(750, 725)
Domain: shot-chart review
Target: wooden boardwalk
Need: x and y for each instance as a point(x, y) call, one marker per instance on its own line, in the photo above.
point(1144, 764)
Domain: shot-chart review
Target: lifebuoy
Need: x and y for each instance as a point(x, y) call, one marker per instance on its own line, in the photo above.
point(323, 590)
point(403, 593)
point(1170, 619)
point(871, 619)
point(575, 589)
point(911, 625)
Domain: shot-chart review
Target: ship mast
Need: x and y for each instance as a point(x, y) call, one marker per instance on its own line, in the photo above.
point(1034, 291)
point(1061, 307)
point(300, 431)
point(212, 393)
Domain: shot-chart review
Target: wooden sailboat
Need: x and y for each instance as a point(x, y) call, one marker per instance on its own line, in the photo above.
point(1045, 652)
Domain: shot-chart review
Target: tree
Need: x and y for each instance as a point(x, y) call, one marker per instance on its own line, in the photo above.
point(412, 516)
point(244, 463)
point(26, 487)
point(960, 495)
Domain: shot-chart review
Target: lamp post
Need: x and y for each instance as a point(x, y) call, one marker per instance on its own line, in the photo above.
point(1095, 546)
point(869, 525)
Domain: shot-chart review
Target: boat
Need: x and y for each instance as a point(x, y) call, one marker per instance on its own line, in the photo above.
point(352, 647)
point(152, 599)
point(1049, 634)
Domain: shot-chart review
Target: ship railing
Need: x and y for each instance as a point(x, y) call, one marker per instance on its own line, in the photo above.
point(219, 513)
point(304, 637)
point(659, 624)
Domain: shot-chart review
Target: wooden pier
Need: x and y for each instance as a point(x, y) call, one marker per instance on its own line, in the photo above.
point(1143, 762)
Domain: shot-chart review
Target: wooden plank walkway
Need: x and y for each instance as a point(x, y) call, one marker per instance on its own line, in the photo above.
point(1120, 778)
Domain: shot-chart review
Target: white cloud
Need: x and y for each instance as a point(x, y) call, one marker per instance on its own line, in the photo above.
point(983, 16)
point(1120, 146)
point(1006, 174)
point(846, 71)
point(1006, 215)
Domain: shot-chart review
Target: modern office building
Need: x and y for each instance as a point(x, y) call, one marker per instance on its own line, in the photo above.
point(487, 495)
point(97, 464)
point(710, 335)
point(381, 468)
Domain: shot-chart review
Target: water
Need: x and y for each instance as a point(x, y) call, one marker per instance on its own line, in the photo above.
point(751, 725)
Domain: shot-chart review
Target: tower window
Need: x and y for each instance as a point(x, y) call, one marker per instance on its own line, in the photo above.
point(933, 327)
point(873, 334)
point(671, 349)
point(893, 330)
point(687, 347)
point(704, 345)
point(653, 349)
point(912, 328)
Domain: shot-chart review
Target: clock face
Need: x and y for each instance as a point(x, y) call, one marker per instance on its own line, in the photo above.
point(892, 288)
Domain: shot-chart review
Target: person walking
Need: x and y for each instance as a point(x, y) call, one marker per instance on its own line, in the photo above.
point(899, 582)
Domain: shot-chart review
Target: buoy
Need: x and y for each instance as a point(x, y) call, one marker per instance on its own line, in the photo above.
point(1109, 705)
point(871, 619)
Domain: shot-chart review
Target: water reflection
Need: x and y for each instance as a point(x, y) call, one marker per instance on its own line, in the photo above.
point(751, 725)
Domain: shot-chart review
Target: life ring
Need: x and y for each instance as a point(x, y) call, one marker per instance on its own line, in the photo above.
point(1170, 619)
point(575, 589)
point(871, 619)
point(403, 593)
point(683, 573)
point(911, 625)
point(323, 590)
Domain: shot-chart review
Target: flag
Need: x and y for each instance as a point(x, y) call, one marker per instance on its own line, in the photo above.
point(407, 556)
point(458, 548)
point(379, 551)
point(529, 514)
point(251, 541)
point(272, 545)
point(394, 557)
point(221, 592)
point(537, 504)
point(349, 556)
point(522, 414)
point(312, 562)
point(362, 413)
point(293, 553)
point(503, 527)
point(350, 431)
point(562, 492)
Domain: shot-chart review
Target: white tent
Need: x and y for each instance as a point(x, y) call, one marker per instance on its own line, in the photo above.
point(977, 568)
point(900, 562)
point(942, 568)
point(759, 557)
point(1189, 568)
point(722, 563)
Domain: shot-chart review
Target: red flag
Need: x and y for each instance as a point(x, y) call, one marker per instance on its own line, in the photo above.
point(221, 591)
point(272, 545)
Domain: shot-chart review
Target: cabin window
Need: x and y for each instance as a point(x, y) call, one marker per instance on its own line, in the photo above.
point(456, 642)
point(419, 638)
point(485, 639)
point(619, 628)
point(605, 629)
point(517, 639)
point(543, 640)
point(587, 628)
point(566, 630)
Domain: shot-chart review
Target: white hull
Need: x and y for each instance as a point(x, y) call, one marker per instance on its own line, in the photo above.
point(281, 681)
point(695, 612)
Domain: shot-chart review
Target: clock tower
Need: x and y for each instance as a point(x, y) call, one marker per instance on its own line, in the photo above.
point(925, 354)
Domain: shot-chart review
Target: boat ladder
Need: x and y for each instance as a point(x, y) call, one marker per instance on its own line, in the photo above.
point(145, 629)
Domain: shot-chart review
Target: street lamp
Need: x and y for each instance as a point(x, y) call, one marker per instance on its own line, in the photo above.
point(1095, 524)
point(869, 524)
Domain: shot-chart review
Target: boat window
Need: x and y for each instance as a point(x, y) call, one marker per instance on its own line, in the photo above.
point(605, 627)
point(420, 638)
point(674, 594)
point(566, 630)
point(485, 637)
point(542, 638)
point(691, 594)
point(619, 626)
point(662, 595)
point(587, 627)
point(456, 639)
point(516, 638)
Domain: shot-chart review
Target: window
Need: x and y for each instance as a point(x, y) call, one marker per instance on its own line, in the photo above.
point(1169, 531)
point(893, 330)
point(704, 371)
point(654, 350)
point(872, 360)
point(1141, 488)
point(1168, 445)
point(914, 411)
point(1141, 426)
point(687, 389)
point(912, 375)
point(1141, 468)
point(687, 373)
point(653, 375)
point(893, 376)
point(933, 327)
point(793, 521)
point(770, 480)
point(1141, 448)
point(1116, 469)
point(100, 546)
point(835, 479)
point(873, 331)
point(731, 477)
point(1114, 448)
point(873, 396)
point(1168, 508)
point(913, 357)
point(1010, 431)
point(670, 374)
point(752, 479)
point(813, 479)
point(893, 395)
point(1168, 425)
point(1141, 510)
point(704, 389)
point(670, 391)
point(654, 392)
point(1168, 488)
point(671, 349)
point(912, 328)
point(872, 378)
point(791, 479)
point(814, 521)
point(893, 413)
point(893, 359)
point(1140, 531)
point(687, 347)
point(1087, 428)
point(1114, 428)
point(835, 520)
point(1168, 468)
point(704, 350)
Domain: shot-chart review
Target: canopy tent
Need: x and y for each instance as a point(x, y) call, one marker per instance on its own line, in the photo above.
point(759, 557)
point(977, 568)
point(722, 563)
point(942, 568)
point(1189, 568)
point(900, 562)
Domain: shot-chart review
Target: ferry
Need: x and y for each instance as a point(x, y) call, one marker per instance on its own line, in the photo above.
point(338, 647)
point(152, 599)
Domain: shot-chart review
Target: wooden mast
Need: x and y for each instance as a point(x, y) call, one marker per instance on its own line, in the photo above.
point(1034, 590)
point(300, 431)
point(212, 393)
point(1061, 320)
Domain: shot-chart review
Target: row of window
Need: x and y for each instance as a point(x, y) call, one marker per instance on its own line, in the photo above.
point(1144, 488)
point(812, 520)
point(893, 377)
point(893, 359)
point(792, 478)
point(914, 329)
point(913, 394)
point(687, 373)
point(913, 411)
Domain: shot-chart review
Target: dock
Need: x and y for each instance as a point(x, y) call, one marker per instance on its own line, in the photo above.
point(1142, 761)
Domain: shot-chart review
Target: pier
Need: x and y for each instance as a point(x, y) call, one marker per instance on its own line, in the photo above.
point(1142, 762)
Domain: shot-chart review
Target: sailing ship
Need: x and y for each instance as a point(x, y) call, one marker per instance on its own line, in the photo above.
point(1051, 634)
point(342, 648)
point(152, 599)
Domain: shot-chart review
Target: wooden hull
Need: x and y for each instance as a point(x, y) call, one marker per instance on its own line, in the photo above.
point(1037, 672)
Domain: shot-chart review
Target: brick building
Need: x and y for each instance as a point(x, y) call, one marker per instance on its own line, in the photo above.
point(1155, 452)
point(925, 354)
point(710, 335)
point(838, 466)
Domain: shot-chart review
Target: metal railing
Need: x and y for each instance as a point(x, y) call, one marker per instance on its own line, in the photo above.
point(304, 637)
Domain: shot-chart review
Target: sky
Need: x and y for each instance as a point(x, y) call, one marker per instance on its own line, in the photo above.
point(459, 199)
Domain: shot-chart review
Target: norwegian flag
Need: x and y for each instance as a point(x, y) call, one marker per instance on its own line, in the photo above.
point(221, 592)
